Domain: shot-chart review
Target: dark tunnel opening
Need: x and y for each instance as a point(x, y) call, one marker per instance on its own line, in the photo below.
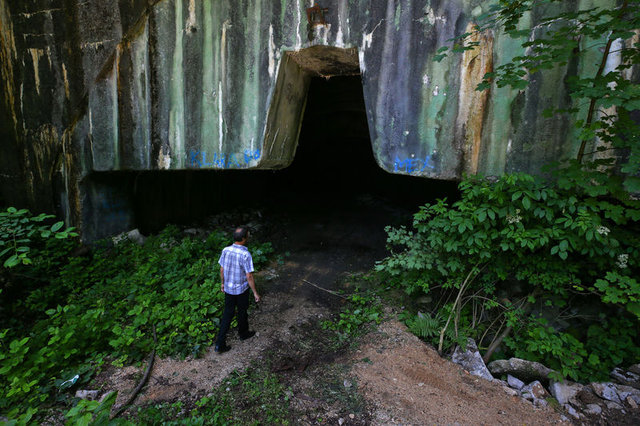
point(334, 167)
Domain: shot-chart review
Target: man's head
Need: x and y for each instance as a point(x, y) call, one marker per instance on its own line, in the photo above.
point(240, 234)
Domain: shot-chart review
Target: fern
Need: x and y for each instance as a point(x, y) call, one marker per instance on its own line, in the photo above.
point(425, 325)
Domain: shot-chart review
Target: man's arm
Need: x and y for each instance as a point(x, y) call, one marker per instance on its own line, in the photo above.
point(222, 279)
point(252, 284)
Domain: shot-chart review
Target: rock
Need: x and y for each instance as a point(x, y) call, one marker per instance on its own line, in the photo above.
point(190, 231)
point(91, 395)
point(585, 396)
point(136, 237)
point(514, 382)
point(534, 391)
point(528, 396)
point(635, 368)
point(572, 411)
point(631, 402)
point(340, 421)
point(625, 392)
point(520, 368)
point(614, 406)
point(347, 384)
point(471, 360)
point(540, 403)
point(509, 391)
point(133, 235)
point(564, 391)
point(627, 378)
point(593, 409)
point(606, 391)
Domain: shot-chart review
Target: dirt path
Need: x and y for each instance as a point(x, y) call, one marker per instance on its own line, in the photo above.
point(391, 378)
point(409, 383)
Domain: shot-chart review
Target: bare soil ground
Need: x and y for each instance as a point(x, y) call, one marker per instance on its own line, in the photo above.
point(387, 376)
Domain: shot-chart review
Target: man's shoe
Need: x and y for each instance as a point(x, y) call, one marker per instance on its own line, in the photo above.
point(249, 335)
point(222, 349)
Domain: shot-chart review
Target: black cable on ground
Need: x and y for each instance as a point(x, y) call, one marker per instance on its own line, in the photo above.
point(143, 381)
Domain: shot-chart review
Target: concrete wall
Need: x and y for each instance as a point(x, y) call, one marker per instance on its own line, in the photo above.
point(106, 85)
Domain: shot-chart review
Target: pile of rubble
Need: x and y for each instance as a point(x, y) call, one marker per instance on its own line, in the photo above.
point(593, 403)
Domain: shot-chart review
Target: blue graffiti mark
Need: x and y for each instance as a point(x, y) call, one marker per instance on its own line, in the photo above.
point(251, 155)
point(221, 160)
point(413, 165)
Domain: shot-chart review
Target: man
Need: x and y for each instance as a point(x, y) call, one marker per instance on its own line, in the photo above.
point(236, 273)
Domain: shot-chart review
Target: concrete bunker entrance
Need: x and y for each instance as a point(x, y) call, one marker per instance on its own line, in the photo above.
point(333, 164)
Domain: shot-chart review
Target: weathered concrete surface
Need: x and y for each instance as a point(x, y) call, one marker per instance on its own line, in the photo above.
point(106, 85)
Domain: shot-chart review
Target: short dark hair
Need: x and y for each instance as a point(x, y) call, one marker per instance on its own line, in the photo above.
point(240, 233)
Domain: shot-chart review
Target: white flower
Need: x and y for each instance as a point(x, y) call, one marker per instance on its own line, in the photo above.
point(622, 260)
point(603, 230)
point(514, 218)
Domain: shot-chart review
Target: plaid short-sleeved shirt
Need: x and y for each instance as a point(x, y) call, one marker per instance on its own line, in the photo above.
point(236, 263)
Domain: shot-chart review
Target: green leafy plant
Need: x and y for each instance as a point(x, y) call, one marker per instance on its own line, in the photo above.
point(425, 325)
point(249, 397)
point(362, 309)
point(515, 246)
point(87, 412)
point(103, 307)
point(20, 232)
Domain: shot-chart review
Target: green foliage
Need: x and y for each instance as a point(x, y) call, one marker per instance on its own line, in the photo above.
point(250, 397)
point(104, 308)
point(519, 243)
point(86, 412)
point(607, 344)
point(363, 308)
point(425, 325)
point(21, 233)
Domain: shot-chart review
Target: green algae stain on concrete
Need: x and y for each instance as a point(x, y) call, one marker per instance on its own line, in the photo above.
point(253, 64)
point(216, 78)
point(176, 114)
point(209, 125)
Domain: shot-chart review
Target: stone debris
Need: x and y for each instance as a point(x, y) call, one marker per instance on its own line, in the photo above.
point(133, 235)
point(595, 402)
point(606, 391)
point(524, 370)
point(510, 392)
point(90, 395)
point(540, 403)
point(536, 393)
point(572, 411)
point(564, 391)
point(625, 392)
point(628, 378)
point(614, 406)
point(471, 360)
point(593, 409)
point(514, 382)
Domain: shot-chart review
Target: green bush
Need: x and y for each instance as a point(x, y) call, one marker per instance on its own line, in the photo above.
point(363, 308)
point(106, 307)
point(21, 233)
point(519, 248)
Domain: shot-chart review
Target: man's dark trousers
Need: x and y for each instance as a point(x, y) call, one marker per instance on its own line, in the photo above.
point(230, 303)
